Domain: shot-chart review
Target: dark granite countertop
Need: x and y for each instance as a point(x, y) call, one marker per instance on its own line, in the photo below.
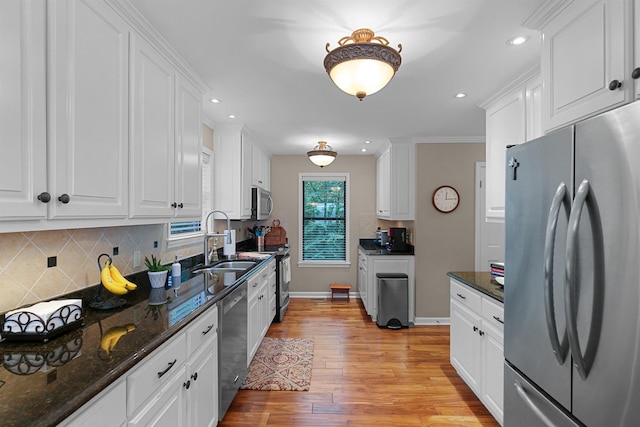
point(43, 383)
point(372, 248)
point(481, 281)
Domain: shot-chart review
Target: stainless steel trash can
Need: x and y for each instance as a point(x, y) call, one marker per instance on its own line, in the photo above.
point(393, 300)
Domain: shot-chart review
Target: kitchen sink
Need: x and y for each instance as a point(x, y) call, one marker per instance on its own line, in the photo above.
point(226, 267)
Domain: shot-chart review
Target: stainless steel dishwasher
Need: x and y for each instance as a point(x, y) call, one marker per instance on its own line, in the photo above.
point(232, 346)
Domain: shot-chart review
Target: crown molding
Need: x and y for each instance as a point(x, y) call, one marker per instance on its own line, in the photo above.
point(141, 25)
point(545, 13)
point(519, 80)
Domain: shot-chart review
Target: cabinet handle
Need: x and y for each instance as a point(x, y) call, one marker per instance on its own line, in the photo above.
point(174, 204)
point(44, 197)
point(481, 332)
point(461, 296)
point(475, 329)
point(498, 319)
point(160, 374)
point(194, 377)
point(181, 206)
point(64, 198)
point(208, 329)
point(615, 84)
point(635, 74)
point(187, 384)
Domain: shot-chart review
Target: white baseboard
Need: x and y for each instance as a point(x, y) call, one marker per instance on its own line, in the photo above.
point(430, 321)
point(316, 295)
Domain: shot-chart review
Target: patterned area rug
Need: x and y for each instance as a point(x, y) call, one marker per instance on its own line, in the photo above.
point(281, 364)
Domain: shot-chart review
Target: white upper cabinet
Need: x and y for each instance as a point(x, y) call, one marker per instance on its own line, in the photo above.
point(88, 114)
point(513, 117)
point(396, 182)
point(23, 170)
point(583, 61)
point(261, 168)
point(188, 153)
point(635, 73)
point(152, 131)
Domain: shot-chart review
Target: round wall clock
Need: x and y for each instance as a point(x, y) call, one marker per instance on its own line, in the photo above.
point(445, 199)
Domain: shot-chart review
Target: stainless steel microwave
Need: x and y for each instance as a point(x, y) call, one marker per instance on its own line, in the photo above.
point(261, 204)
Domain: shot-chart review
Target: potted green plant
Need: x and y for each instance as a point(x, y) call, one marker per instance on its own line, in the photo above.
point(157, 272)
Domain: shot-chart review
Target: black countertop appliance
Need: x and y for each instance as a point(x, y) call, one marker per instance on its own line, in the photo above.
point(397, 239)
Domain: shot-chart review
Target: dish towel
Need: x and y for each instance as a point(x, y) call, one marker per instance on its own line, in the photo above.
point(43, 317)
point(286, 267)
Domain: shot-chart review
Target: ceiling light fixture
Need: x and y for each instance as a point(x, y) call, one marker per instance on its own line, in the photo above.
point(518, 40)
point(460, 95)
point(214, 100)
point(363, 63)
point(322, 154)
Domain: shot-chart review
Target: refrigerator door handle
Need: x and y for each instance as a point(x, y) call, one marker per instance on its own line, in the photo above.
point(560, 199)
point(584, 362)
point(527, 400)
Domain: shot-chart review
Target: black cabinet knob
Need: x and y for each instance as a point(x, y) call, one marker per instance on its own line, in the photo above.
point(181, 206)
point(44, 197)
point(64, 198)
point(194, 376)
point(174, 205)
point(635, 73)
point(615, 84)
point(187, 384)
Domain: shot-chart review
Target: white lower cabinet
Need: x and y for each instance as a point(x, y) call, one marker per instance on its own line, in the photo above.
point(108, 409)
point(367, 279)
point(477, 344)
point(258, 305)
point(175, 386)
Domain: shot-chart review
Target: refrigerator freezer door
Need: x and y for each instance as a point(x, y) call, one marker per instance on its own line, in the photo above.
point(535, 171)
point(607, 152)
point(529, 407)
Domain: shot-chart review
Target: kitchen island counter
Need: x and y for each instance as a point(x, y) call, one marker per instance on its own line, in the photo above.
point(481, 281)
point(370, 247)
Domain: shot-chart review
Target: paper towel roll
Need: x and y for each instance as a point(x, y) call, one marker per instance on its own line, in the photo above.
point(229, 248)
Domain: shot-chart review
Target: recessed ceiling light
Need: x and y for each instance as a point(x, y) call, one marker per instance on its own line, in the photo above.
point(231, 116)
point(367, 142)
point(214, 101)
point(364, 150)
point(518, 40)
point(460, 95)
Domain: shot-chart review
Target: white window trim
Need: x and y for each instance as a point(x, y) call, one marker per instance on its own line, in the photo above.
point(326, 176)
point(175, 242)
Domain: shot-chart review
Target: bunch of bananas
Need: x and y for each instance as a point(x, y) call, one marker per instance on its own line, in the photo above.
point(111, 337)
point(113, 281)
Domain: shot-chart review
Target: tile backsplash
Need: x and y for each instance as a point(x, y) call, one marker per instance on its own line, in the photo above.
point(25, 275)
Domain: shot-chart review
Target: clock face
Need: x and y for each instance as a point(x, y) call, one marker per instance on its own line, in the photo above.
point(446, 199)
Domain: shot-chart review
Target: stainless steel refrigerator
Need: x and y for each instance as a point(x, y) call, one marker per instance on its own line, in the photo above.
point(572, 275)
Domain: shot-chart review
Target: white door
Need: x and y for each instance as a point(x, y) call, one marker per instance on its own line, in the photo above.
point(489, 235)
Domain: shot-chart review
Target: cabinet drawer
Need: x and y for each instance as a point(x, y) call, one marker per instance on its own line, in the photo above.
point(465, 296)
point(155, 371)
point(253, 284)
point(202, 329)
point(493, 313)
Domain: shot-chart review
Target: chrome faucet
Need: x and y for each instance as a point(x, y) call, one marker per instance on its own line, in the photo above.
point(207, 255)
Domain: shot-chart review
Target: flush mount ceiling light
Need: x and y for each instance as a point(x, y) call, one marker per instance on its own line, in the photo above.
point(322, 154)
point(363, 63)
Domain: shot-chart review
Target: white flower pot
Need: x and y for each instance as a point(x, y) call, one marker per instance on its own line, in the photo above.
point(157, 278)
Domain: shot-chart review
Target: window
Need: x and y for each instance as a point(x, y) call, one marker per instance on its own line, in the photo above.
point(188, 229)
point(324, 216)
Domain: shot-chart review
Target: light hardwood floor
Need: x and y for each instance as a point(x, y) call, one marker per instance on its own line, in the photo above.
point(363, 375)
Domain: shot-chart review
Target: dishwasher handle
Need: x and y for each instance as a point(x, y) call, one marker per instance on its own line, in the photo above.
point(234, 297)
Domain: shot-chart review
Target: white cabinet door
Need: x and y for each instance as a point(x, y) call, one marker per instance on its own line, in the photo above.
point(253, 327)
point(245, 167)
point(168, 407)
point(88, 98)
point(383, 187)
point(23, 173)
point(108, 409)
point(635, 73)
point(493, 370)
point(466, 345)
point(257, 166)
point(533, 108)
point(188, 153)
point(505, 126)
point(202, 393)
point(362, 279)
point(152, 132)
point(583, 52)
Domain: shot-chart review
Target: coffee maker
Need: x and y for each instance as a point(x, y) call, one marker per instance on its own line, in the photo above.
point(397, 239)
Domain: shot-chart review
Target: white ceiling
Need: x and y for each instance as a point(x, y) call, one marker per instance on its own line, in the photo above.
point(264, 60)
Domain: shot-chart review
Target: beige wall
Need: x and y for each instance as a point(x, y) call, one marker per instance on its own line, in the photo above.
point(443, 242)
point(284, 187)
